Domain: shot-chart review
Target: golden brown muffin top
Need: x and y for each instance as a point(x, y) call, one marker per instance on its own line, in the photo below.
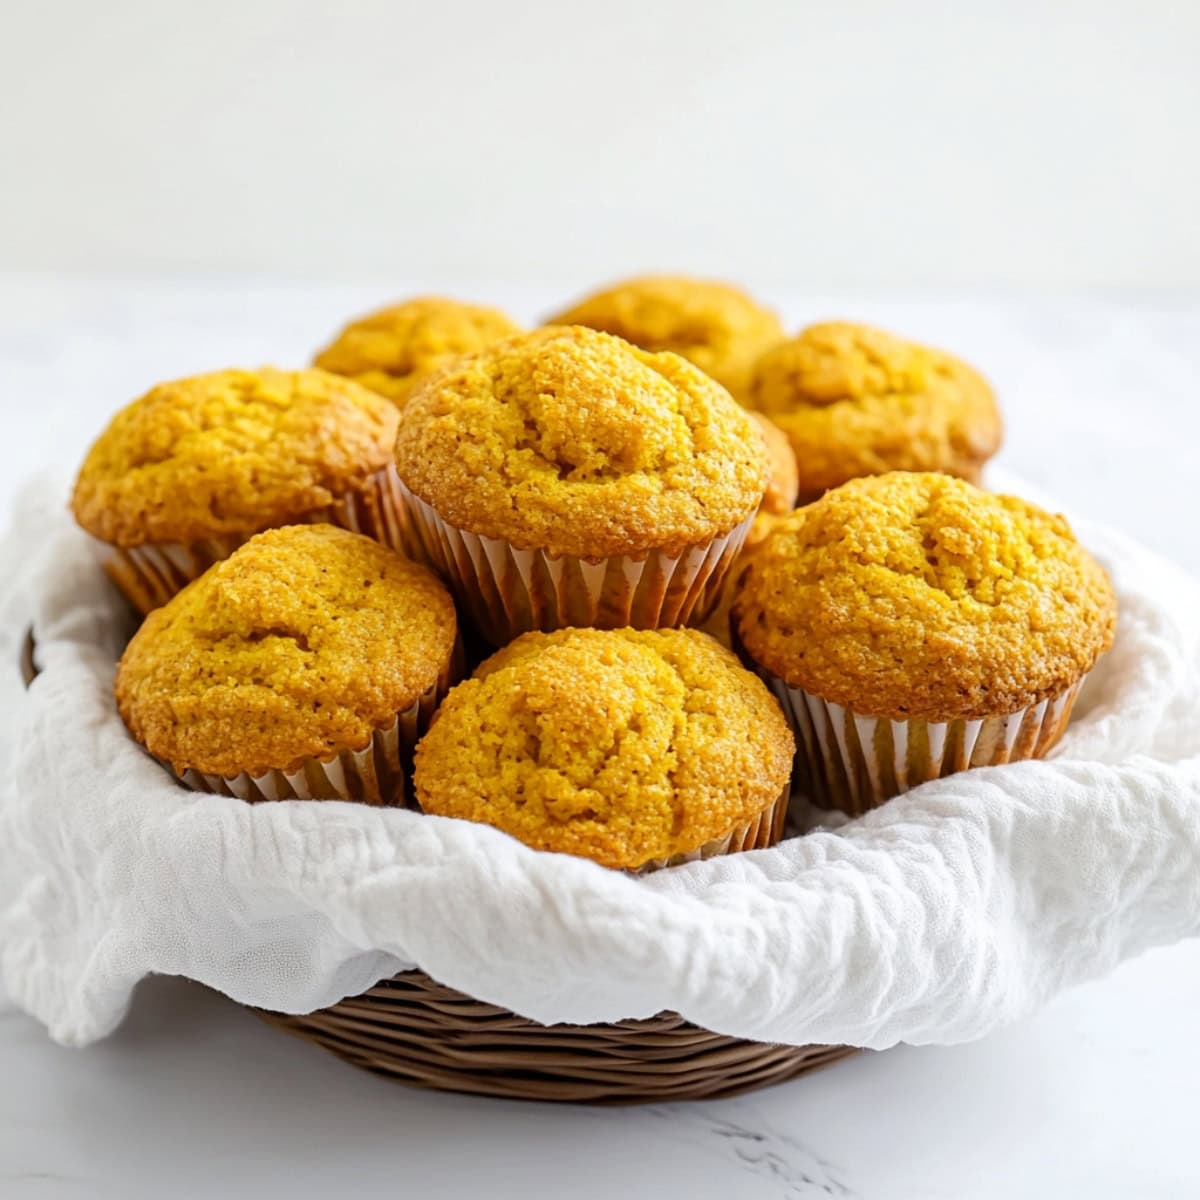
point(917, 595)
point(714, 325)
point(621, 746)
point(783, 482)
point(856, 401)
point(300, 644)
point(392, 350)
point(580, 444)
point(231, 452)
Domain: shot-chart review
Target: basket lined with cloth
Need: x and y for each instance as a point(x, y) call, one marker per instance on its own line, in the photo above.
point(933, 919)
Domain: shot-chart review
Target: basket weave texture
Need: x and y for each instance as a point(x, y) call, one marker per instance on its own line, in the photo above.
point(413, 1029)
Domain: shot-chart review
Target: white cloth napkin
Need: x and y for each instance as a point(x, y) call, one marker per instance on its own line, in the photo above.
point(947, 912)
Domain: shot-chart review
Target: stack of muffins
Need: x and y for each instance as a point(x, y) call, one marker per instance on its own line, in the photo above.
point(667, 652)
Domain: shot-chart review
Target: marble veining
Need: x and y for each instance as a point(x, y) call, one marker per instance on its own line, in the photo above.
point(746, 1137)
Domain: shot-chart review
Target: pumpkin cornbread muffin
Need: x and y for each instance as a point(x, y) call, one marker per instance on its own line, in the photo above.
point(568, 478)
point(714, 325)
point(914, 626)
point(392, 350)
point(783, 477)
point(634, 748)
point(303, 666)
point(778, 501)
point(188, 472)
point(856, 401)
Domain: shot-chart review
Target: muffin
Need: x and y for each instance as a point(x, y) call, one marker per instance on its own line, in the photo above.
point(392, 350)
point(714, 325)
point(777, 502)
point(187, 473)
point(635, 748)
point(783, 477)
point(566, 477)
point(913, 626)
point(856, 401)
point(303, 666)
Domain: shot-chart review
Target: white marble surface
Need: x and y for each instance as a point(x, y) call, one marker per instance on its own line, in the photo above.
point(194, 1098)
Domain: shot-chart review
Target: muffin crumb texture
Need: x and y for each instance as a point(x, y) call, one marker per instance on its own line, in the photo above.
point(919, 596)
point(714, 325)
point(578, 443)
point(857, 401)
point(621, 746)
point(392, 350)
point(299, 645)
point(230, 452)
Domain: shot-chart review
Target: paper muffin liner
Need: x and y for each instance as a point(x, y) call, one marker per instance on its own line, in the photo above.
point(758, 834)
point(853, 763)
point(375, 510)
point(376, 774)
point(150, 574)
point(507, 591)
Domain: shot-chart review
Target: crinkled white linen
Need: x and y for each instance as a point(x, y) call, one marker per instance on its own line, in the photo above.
point(948, 912)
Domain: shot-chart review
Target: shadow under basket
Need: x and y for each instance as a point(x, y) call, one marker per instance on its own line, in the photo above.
point(415, 1030)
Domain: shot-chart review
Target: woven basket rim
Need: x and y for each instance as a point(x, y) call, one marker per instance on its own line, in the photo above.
point(415, 1030)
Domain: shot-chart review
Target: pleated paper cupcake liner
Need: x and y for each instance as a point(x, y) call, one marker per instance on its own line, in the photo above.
point(853, 763)
point(508, 591)
point(150, 574)
point(376, 774)
point(765, 830)
point(377, 511)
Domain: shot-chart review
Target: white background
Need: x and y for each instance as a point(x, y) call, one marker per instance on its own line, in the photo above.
point(1044, 143)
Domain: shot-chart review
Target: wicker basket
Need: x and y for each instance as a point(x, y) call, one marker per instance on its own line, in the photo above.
point(415, 1030)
